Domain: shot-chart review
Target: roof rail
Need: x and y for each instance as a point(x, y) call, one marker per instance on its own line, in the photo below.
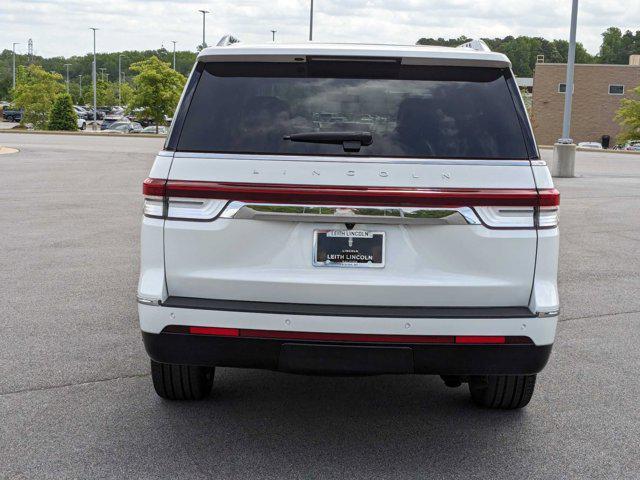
point(477, 45)
point(227, 40)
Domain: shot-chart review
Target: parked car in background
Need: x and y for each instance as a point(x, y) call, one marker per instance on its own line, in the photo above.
point(81, 112)
point(111, 119)
point(162, 130)
point(99, 114)
point(125, 127)
point(409, 236)
point(12, 115)
point(82, 124)
point(632, 146)
point(592, 145)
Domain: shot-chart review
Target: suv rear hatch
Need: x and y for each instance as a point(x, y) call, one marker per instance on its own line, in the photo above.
point(438, 210)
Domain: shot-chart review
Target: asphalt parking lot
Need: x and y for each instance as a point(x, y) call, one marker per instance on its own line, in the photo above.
point(76, 399)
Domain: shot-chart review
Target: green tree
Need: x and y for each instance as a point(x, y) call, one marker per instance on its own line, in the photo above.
point(629, 118)
point(157, 89)
point(127, 93)
point(35, 92)
point(63, 116)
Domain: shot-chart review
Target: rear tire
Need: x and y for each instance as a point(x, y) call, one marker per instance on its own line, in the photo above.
point(181, 382)
point(506, 392)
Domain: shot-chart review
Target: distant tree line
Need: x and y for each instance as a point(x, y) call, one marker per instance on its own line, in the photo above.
point(81, 65)
point(523, 51)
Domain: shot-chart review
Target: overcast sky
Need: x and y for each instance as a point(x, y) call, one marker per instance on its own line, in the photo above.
point(61, 27)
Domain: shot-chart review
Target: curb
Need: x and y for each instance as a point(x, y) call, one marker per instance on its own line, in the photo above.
point(82, 134)
point(593, 150)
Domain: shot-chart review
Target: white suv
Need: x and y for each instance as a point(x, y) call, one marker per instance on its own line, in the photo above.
point(350, 209)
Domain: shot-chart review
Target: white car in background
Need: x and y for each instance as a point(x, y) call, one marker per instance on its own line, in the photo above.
point(423, 240)
point(590, 145)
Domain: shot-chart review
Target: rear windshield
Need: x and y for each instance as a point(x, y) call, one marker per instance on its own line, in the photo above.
point(410, 111)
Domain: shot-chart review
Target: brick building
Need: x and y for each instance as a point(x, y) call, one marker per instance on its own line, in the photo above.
point(598, 90)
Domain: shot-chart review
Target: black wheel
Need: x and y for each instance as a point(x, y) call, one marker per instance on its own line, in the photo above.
point(11, 119)
point(505, 392)
point(181, 382)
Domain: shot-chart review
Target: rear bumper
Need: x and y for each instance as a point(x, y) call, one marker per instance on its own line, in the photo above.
point(345, 358)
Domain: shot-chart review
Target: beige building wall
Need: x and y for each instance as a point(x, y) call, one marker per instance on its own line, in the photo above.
point(593, 108)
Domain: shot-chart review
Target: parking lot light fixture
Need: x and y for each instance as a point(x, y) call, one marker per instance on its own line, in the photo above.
point(14, 63)
point(67, 65)
point(204, 15)
point(120, 79)
point(273, 35)
point(571, 59)
point(311, 22)
point(93, 78)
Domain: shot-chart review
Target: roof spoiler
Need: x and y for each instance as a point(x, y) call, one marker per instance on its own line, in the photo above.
point(227, 40)
point(477, 45)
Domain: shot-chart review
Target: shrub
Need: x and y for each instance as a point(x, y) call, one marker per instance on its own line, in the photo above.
point(63, 116)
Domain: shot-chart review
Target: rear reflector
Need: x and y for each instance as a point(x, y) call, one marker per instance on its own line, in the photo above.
point(480, 339)
point(220, 332)
point(352, 195)
point(346, 337)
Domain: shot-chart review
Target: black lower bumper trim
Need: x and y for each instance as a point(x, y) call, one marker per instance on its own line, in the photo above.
point(346, 358)
point(347, 310)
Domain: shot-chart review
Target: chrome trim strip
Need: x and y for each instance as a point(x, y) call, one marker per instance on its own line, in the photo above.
point(148, 301)
point(353, 159)
point(350, 214)
point(538, 163)
point(552, 313)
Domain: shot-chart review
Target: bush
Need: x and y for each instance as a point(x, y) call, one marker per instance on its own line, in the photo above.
point(63, 116)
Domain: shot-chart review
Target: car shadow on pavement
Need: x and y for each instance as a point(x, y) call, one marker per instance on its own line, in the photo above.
point(349, 427)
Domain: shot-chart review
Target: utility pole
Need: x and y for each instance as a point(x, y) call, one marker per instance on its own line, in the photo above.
point(273, 35)
point(93, 78)
point(174, 53)
point(120, 79)
point(204, 15)
point(14, 64)
point(571, 60)
point(102, 69)
point(311, 22)
point(67, 65)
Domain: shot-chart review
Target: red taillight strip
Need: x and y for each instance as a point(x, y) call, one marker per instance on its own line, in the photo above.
point(154, 187)
point(347, 337)
point(352, 195)
point(549, 197)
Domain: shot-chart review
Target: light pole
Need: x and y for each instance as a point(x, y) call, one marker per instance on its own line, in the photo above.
point(571, 60)
point(204, 15)
point(311, 22)
point(120, 79)
point(174, 53)
point(273, 35)
point(67, 65)
point(14, 64)
point(81, 99)
point(93, 78)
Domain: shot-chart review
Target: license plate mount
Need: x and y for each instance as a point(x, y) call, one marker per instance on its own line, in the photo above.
point(348, 248)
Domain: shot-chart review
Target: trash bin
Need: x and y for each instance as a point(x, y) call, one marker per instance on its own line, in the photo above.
point(606, 140)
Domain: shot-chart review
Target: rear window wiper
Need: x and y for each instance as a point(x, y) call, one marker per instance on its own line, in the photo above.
point(351, 141)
